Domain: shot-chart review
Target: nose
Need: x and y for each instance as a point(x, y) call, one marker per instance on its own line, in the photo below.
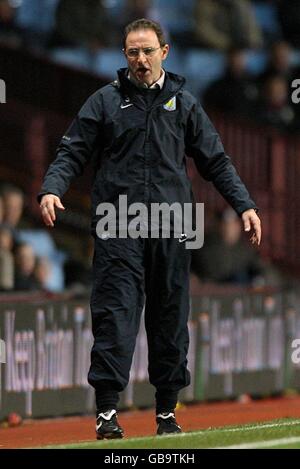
point(142, 61)
point(141, 53)
point(142, 57)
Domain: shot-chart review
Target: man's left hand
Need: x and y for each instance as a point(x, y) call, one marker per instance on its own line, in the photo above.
point(252, 223)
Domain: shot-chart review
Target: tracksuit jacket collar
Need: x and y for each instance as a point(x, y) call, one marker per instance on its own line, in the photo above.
point(173, 84)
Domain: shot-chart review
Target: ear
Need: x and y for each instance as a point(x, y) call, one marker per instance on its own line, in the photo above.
point(165, 51)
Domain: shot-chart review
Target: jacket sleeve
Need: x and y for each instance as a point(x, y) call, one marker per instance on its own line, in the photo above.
point(203, 144)
point(75, 149)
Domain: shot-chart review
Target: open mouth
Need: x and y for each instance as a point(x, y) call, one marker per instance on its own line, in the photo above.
point(142, 71)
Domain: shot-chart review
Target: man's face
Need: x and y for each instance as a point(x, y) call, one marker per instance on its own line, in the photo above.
point(145, 68)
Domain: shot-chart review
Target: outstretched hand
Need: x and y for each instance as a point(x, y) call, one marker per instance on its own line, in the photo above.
point(48, 204)
point(252, 224)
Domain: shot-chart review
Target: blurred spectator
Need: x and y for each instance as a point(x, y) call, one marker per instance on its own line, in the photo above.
point(236, 91)
point(8, 29)
point(279, 62)
point(289, 18)
point(44, 246)
point(1, 210)
point(13, 202)
point(6, 258)
point(274, 108)
point(82, 23)
point(25, 261)
point(41, 241)
point(42, 272)
point(223, 24)
point(226, 257)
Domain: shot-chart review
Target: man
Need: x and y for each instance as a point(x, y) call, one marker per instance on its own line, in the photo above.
point(141, 126)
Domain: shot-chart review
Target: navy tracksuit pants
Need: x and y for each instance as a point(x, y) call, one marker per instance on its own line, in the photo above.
point(128, 273)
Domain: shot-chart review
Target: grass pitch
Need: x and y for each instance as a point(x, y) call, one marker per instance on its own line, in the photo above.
point(283, 433)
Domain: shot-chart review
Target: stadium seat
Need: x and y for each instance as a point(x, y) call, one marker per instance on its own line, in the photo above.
point(107, 61)
point(76, 57)
point(266, 15)
point(177, 16)
point(256, 61)
point(201, 67)
point(295, 58)
point(114, 7)
point(174, 61)
point(36, 15)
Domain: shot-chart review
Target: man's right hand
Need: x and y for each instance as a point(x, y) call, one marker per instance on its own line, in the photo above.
point(48, 204)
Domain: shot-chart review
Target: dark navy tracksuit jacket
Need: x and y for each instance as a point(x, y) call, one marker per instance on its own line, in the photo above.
point(140, 147)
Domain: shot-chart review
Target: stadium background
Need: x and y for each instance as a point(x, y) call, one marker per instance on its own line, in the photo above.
point(241, 336)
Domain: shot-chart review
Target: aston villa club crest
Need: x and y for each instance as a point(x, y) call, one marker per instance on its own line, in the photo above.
point(171, 105)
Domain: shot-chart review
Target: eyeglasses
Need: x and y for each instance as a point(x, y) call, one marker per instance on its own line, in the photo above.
point(148, 51)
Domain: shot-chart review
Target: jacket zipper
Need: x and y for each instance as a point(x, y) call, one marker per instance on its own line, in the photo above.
point(147, 159)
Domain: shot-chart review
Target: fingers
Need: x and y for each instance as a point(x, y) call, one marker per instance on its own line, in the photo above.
point(48, 204)
point(247, 225)
point(58, 204)
point(256, 225)
point(256, 237)
point(252, 221)
point(48, 214)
